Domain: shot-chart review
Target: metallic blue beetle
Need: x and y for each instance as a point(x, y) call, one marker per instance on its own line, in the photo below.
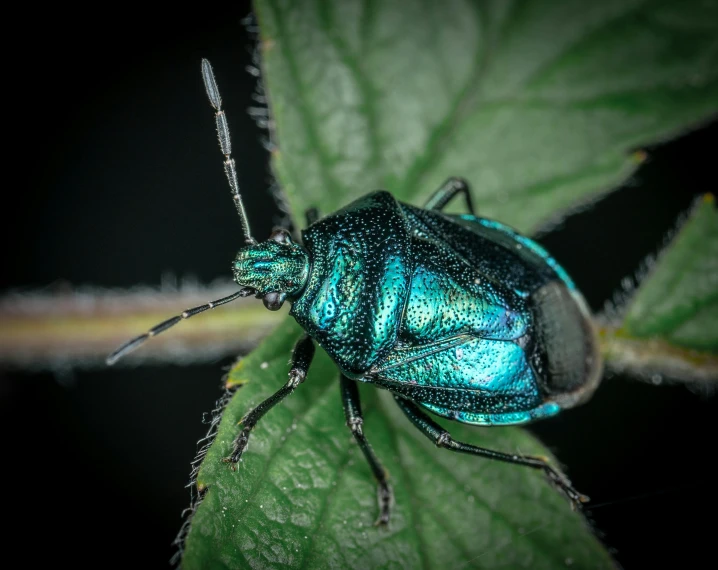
point(454, 314)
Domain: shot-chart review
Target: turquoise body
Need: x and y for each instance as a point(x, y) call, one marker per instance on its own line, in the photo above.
point(457, 313)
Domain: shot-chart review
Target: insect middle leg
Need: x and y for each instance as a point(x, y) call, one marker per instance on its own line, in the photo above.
point(442, 438)
point(448, 190)
point(301, 359)
point(355, 421)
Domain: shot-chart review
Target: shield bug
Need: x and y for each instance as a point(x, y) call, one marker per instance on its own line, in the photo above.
point(456, 315)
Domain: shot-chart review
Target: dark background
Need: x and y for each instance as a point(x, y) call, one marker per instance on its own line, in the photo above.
point(115, 178)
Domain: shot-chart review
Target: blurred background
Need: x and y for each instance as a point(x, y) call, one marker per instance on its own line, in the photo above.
point(116, 180)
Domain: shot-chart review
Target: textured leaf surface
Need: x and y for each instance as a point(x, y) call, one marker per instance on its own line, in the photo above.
point(537, 104)
point(303, 496)
point(671, 324)
point(540, 105)
point(678, 301)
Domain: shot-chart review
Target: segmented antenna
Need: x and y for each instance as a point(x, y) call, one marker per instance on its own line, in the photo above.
point(225, 144)
point(210, 85)
point(136, 342)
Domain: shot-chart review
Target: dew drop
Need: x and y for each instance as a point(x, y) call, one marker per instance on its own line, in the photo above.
point(656, 379)
point(569, 561)
point(264, 365)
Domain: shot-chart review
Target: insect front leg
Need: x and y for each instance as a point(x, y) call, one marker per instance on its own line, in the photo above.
point(448, 190)
point(355, 421)
point(442, 438)
point(301, 359)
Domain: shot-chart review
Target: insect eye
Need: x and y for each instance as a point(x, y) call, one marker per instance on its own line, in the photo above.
point(274, 301)
point(280, 235)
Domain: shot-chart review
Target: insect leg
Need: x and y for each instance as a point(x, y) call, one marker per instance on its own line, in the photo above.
point(301, 359)
point(352, 411)
point(448, 190)
point(311, 215)
point(442, 438)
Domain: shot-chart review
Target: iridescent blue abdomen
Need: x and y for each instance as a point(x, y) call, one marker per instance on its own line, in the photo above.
point(457, 313)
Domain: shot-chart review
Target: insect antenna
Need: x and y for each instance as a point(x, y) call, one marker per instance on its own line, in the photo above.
point(225, 143)
point(136, 342)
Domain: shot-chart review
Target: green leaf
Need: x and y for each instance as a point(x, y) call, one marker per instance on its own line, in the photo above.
point(303, 496)
point(539, 105)
point(679, 299)
point(670, 326)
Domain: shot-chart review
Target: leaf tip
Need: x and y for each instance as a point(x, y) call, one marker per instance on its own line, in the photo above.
point(639, 156)
point(233, 382)
point(236, 376)
point(267, 44)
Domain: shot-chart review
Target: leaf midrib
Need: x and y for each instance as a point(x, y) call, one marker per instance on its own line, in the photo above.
point(441, 132)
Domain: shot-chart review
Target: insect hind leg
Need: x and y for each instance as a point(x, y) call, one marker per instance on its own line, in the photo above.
point(355, 421)
point(442, 438)
point(448, 190)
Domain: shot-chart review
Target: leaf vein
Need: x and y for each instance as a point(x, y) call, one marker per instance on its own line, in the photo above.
point(268, 462)
point(303, 106)
point(366, 89)
point(496, 515)
point(442, 131)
